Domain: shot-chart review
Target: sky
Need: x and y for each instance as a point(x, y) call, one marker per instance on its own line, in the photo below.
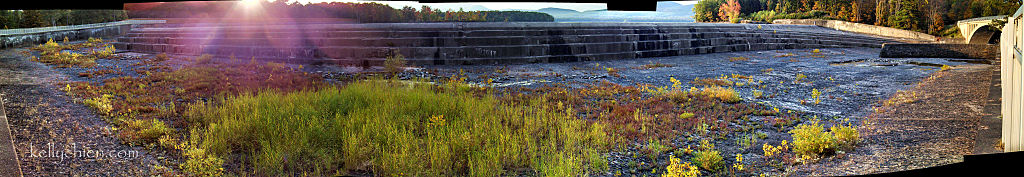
point(491, 5)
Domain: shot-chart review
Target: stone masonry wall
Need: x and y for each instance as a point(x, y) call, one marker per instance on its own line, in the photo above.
point(976, 51)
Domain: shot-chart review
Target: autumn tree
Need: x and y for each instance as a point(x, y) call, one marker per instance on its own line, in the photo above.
point(729, 11)
point(931, 16)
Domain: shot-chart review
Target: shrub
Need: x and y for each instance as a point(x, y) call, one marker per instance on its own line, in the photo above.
point(145, 131)
point(107, 52)
point(813, 14)
point(653, 65)
point(735, 20)
point(764, 15)
point(51, 44)
point(771, 152)
point(707, 157)
point(734, 59)
point(815, 94)
point(65, 58)
point(100, 104)
point(721, 81)
point(204, 59)
point(725, 94)
point(901, 97)
point(677, 169)
point(94, 40)
point(394, 63)
point(612, 72)
point(686, 115)
point(198, 162)
point(812, 140)
point(161, 57)
point(739, 162)
point(676, 84)
point(800, 77)
point(846, 136)
point(945, 68)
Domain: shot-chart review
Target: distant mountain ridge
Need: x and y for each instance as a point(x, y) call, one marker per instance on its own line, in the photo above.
point(557, 10)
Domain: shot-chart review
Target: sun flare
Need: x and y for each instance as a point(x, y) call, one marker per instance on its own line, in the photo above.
point(250, 4)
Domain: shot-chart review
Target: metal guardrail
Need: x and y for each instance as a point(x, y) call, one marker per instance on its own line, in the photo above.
point(22, 31)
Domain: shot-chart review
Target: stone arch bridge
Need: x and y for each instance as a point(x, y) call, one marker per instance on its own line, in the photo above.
point(975, 30)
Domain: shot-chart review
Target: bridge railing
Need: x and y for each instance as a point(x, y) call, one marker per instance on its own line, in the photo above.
point(22, 31)
point(1011, 76)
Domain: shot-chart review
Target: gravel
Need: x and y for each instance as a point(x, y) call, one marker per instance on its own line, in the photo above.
point(55, 136)
point(937, 129)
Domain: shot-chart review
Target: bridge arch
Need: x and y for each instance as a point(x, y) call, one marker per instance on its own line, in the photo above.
point(978, 30)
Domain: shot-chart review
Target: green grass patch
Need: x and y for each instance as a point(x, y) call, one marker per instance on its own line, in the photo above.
point(397, 128)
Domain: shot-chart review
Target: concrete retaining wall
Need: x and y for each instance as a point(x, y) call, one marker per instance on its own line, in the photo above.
point(861, 28)
point(977, 51)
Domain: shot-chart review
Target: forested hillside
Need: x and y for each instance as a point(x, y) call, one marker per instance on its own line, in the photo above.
point(937, 17)
point(44, 18)
point(362, 12)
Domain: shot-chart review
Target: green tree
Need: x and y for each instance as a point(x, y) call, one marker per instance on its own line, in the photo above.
point(906, 15)
point(706, 10)
point(31, 19)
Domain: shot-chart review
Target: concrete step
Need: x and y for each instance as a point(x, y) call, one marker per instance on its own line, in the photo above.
point(470, 41)
point(392, 33)
point(481, 43)
point(376, 61)
point(476, 34)
point(510, 51)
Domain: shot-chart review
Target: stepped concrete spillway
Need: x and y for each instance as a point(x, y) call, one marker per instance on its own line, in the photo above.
point(478, 43)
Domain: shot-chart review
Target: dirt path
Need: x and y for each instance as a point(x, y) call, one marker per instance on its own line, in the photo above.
point(938, 128)
point(54, 136)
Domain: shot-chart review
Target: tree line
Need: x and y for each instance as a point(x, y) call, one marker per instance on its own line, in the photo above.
point(44, 18)
point(936, 17)
point(362, 12)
